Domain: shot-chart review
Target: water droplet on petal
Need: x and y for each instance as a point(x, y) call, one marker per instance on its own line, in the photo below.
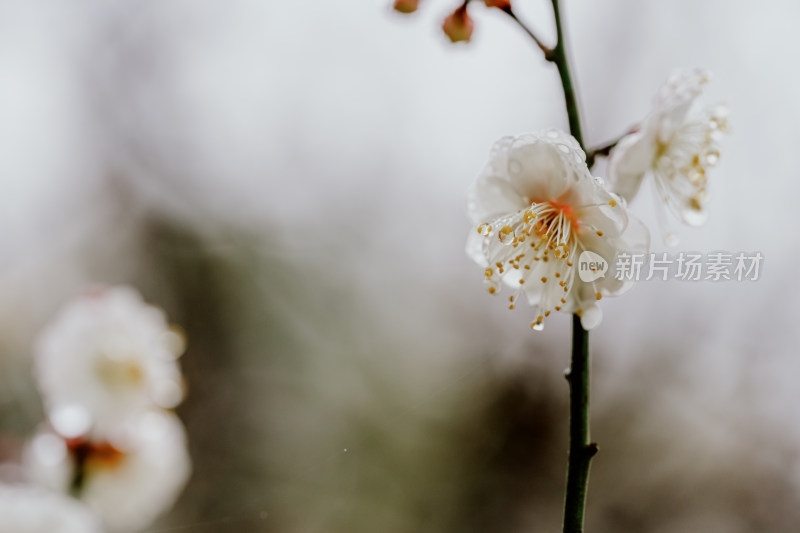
point(553, 134)
point(564, 148)
point(711, 157)
point(506, 235)
point(621, 201)
point(694, 217)
point(538, 326)
point(600, 181)
point(696, 175)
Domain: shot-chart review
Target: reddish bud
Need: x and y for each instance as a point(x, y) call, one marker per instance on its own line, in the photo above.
point(458, 26)
point(505, 5)
point(406, 6)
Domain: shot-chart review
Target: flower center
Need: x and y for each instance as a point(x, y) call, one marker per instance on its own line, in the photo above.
point(534, 249)
point(99, 455)
point(120, 372)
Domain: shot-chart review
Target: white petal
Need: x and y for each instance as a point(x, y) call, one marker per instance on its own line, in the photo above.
point(629, 161)
point(491, 196)
point(635, 240)
point(474, 248)
point(591, 316)
point(537, 169)
point(675, 99)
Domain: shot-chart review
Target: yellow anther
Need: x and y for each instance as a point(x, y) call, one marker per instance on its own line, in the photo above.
point(492, 290)
point(598, 295)
point(544, 279)
point(599, 233)
point(612, 203)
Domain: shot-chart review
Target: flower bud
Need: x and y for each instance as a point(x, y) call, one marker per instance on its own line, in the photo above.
point(458, 26)
point(406, 6)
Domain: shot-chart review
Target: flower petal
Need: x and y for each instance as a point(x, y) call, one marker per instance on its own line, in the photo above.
point(630, 160)
point(537, 169)
point(491, 196)
point(591, 316)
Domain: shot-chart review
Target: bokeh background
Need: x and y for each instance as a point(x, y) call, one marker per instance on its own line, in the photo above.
point(287, 178)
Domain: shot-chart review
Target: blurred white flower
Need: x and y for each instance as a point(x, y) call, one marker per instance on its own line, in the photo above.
point(129, 481)
point(25, 509)
point(105, 358)
point(537, 208)
point(678, 144)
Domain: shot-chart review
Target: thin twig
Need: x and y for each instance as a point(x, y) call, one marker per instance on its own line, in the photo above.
point(545, 50)
point(605, 149)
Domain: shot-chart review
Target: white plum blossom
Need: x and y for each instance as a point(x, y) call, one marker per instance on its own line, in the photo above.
point(128, 481)
point(25, 509)
point(678, 143)
point(536, 209)
point(105, 358)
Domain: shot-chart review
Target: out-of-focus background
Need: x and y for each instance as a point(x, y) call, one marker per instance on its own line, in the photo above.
point(286, 179)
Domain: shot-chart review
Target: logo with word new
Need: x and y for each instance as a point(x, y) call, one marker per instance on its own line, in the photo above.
point(591, 266)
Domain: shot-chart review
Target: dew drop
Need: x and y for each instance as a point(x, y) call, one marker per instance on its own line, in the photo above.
point(484, 229)
point(506, 235)
point(694, 217)
point(696, 176)
point(711, 157)
point(538, 326)
point(564, 148)
point(621, 201)
point(553, 134)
